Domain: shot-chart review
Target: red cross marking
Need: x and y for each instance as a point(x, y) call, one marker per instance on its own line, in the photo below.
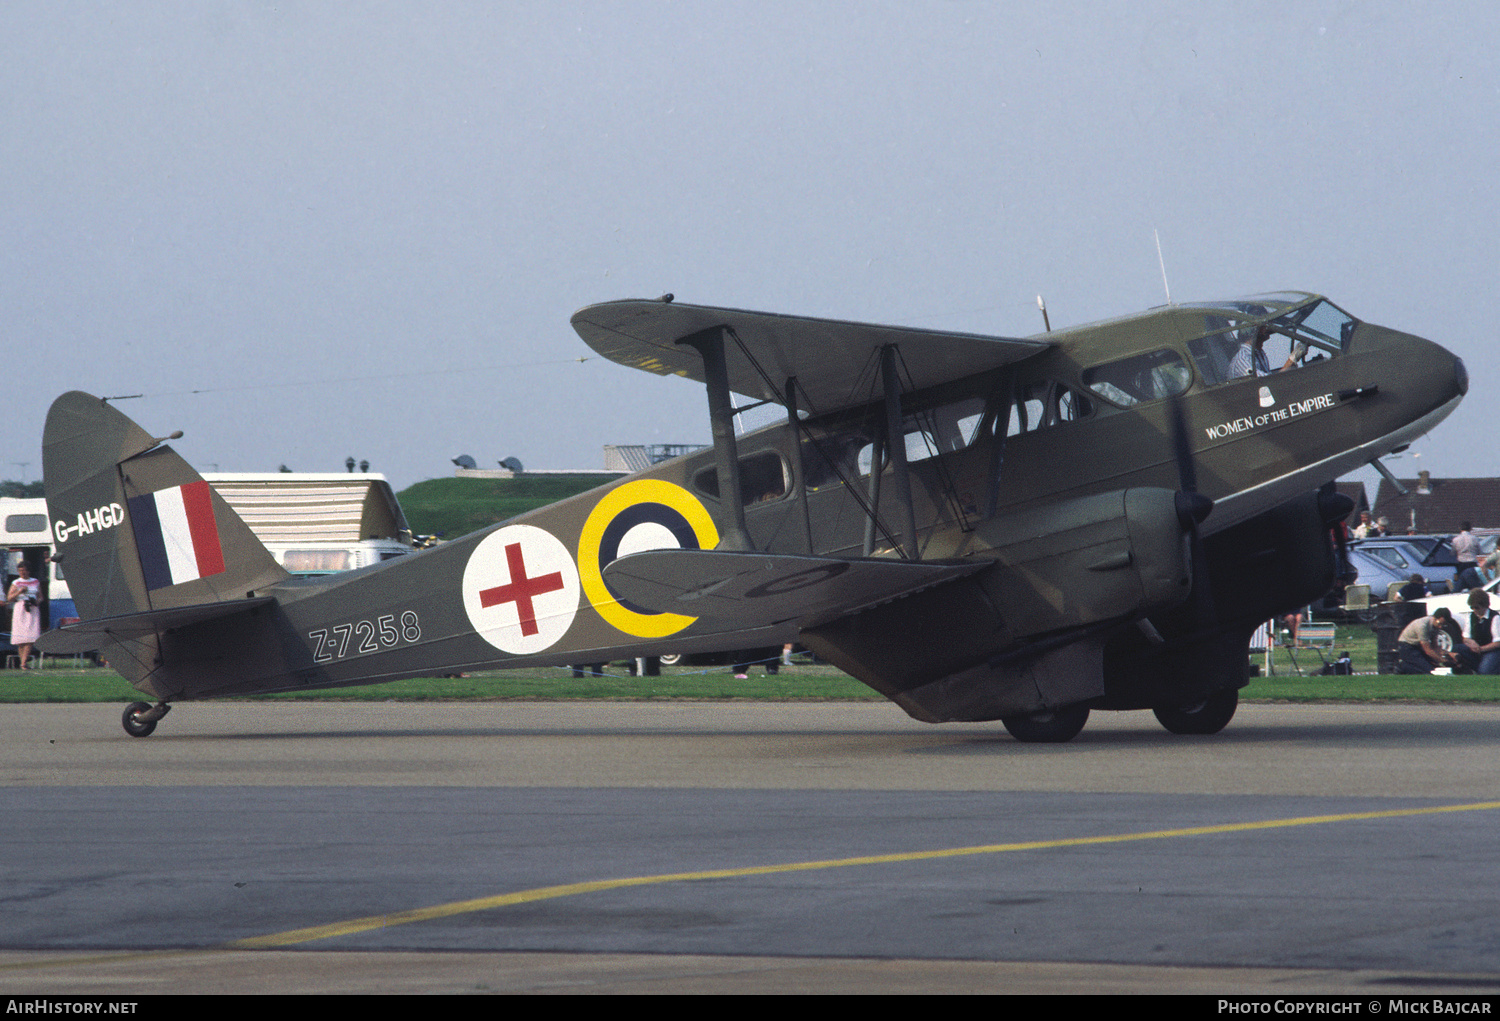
point(521, 589)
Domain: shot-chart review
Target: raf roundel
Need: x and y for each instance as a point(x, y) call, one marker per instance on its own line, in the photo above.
point(520, 589)
point(646, 514)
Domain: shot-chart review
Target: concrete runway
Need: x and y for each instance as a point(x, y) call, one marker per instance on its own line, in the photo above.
point(738, 847)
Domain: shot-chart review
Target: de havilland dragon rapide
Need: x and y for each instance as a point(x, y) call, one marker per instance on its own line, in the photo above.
point(979, 528)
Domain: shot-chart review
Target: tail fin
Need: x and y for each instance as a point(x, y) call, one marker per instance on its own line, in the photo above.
point(135, 528)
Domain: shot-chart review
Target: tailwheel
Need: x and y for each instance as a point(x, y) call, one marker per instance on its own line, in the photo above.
point(1207, 717)
point(139, 718)
point(1052, 726)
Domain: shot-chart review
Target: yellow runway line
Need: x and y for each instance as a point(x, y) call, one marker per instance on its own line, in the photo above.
point(357, 925)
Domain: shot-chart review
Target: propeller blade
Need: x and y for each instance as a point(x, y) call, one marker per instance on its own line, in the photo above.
point(1192, 507)
point(1182, 448)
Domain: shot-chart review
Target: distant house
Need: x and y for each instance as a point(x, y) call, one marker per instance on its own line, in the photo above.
point(1438, 506)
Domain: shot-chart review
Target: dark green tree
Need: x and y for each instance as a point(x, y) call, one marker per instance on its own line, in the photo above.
point(10, 487)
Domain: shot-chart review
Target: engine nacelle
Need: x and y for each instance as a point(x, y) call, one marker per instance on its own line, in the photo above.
point(964, 649)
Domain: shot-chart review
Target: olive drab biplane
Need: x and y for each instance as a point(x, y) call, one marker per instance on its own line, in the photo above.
point(978, 528)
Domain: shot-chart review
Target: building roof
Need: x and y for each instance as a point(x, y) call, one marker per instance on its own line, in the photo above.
point(1438, 506)
point(323, 507)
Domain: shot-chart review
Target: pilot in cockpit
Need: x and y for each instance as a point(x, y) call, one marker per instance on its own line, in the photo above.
point(1250, 359)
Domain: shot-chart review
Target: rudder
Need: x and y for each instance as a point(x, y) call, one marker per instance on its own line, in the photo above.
point(133, 525)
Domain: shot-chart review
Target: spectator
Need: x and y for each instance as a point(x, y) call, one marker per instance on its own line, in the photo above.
point(24, 596)
point(1481, 648)
point(1414, 589)
point(1466, 553)
point(1418, 645)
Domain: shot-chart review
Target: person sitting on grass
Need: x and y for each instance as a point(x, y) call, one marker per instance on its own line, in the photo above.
point(1481, 649)
point(1418, 645)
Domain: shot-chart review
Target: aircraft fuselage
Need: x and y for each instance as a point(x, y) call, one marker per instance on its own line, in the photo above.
point(1053, 475)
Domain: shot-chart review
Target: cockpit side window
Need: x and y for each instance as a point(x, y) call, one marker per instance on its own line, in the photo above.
point(1320, 325)
point(1154, 376)
point(1213, 355)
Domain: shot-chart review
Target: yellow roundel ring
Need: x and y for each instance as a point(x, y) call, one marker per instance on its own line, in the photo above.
point(641, 515)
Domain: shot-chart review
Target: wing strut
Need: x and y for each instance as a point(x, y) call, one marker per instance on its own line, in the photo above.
point(799, 471)
point(1002, 433)
point(1386, 474)
point(710, 344)
point(877, 470)
point(895, 439)
point(873, 523)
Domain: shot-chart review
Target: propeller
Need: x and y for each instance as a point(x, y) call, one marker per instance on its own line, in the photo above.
point(1335, 509)
point(1192, 508)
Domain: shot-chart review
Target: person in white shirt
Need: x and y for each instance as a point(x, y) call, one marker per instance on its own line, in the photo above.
point(1250, 359)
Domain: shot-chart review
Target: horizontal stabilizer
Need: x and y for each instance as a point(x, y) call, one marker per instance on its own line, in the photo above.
point(824, 354)
point(759, 589)
point(89, 634)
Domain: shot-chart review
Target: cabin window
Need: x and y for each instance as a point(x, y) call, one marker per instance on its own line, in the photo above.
point(25, 522)
point(1148, 377)
point(763, 478)
point(920, 445)
point(847, 453)
point(940, 430)
point(1214, 353)
point(1046, 403)
point(952, 426)
point(831, 458)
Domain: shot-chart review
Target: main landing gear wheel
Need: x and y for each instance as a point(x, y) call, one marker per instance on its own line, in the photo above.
point(140, 718)
point(1207, 717)
point(1052, 726)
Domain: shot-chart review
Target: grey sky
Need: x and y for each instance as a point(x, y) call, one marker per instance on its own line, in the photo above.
point(361, 228)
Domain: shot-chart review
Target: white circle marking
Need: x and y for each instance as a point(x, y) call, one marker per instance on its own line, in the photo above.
point(526, 609)
point(648, 535)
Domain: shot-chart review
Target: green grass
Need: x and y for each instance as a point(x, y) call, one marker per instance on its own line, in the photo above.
point(1374, 688)
point(820, 682)
point(804, 682)
point(452, 507)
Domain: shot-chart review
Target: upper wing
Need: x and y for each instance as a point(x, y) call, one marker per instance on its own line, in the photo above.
point(827, 356)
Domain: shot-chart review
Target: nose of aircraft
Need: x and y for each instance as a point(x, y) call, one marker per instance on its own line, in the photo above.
point(1427, 379)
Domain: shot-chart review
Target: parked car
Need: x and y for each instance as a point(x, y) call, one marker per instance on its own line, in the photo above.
point(1431, 556)
point(1380, 575)
point(1458, 602)
point(1376, 573)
